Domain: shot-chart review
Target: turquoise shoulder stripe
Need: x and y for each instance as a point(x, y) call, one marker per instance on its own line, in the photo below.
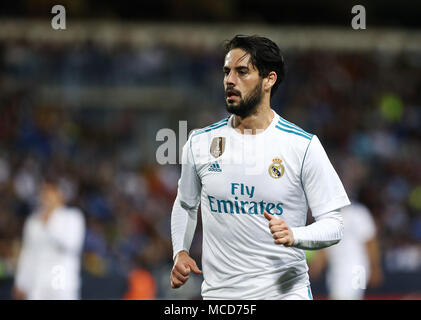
point(210, 129)
point(296, 129)
point(216, 124)
point(294, 125)
point(212, 125)
point(294, 132)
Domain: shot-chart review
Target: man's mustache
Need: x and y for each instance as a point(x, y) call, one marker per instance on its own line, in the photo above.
point(231, 91)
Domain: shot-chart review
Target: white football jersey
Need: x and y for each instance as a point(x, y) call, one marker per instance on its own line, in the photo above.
point(349, 265)
point(236, 177)
point(49, 262)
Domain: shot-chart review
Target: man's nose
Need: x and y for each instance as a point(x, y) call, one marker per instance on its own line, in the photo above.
point(230, 79)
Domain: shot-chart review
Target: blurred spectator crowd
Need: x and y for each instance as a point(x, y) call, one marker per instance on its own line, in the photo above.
point(364, 106)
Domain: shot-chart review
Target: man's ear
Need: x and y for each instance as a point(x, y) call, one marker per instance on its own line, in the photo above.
point(270, 80)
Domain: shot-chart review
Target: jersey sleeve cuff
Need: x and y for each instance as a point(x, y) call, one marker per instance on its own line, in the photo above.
point(177, 251)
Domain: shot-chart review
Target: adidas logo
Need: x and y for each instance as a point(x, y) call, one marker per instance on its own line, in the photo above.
point(215, 167)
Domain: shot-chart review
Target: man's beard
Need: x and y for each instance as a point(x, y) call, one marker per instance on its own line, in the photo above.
point(248, 105)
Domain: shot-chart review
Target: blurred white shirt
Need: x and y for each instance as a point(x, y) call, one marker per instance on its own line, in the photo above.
point(349, 267)
point(50, 258)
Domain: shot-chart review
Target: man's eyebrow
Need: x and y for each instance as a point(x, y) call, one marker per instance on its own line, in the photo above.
point(225, 68)
point(242, 68)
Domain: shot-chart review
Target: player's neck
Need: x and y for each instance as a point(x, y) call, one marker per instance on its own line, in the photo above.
point(256, 122)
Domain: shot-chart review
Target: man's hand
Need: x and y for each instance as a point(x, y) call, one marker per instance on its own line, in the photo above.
point(280, 231)
point(183, 264)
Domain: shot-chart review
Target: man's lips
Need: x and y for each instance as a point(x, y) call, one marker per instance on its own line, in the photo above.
point(232, 94)
point(232, 98)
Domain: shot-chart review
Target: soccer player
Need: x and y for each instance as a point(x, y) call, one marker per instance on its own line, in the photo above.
point(355, 262)
point(49, 261)
point(255, 175)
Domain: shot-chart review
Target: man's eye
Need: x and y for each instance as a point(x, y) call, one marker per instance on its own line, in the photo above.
point(242, 72)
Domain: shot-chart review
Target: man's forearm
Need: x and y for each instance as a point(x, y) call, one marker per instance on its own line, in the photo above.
point(183, 226)
point(325, 232)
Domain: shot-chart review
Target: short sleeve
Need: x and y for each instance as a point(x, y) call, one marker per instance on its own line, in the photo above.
point(189, 184)
point(322, 186)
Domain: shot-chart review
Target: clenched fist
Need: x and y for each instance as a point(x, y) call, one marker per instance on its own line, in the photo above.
point(183, 264)
point(280, 231)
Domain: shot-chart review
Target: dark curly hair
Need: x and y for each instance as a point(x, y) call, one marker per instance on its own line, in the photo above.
point(265, 55)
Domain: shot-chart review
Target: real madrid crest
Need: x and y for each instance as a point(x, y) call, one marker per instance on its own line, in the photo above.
point(276, 169)
point(217, 147)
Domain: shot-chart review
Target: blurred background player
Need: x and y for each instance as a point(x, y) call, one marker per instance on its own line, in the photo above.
point(354, 263)
point(90, 99)
point(49, 261)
